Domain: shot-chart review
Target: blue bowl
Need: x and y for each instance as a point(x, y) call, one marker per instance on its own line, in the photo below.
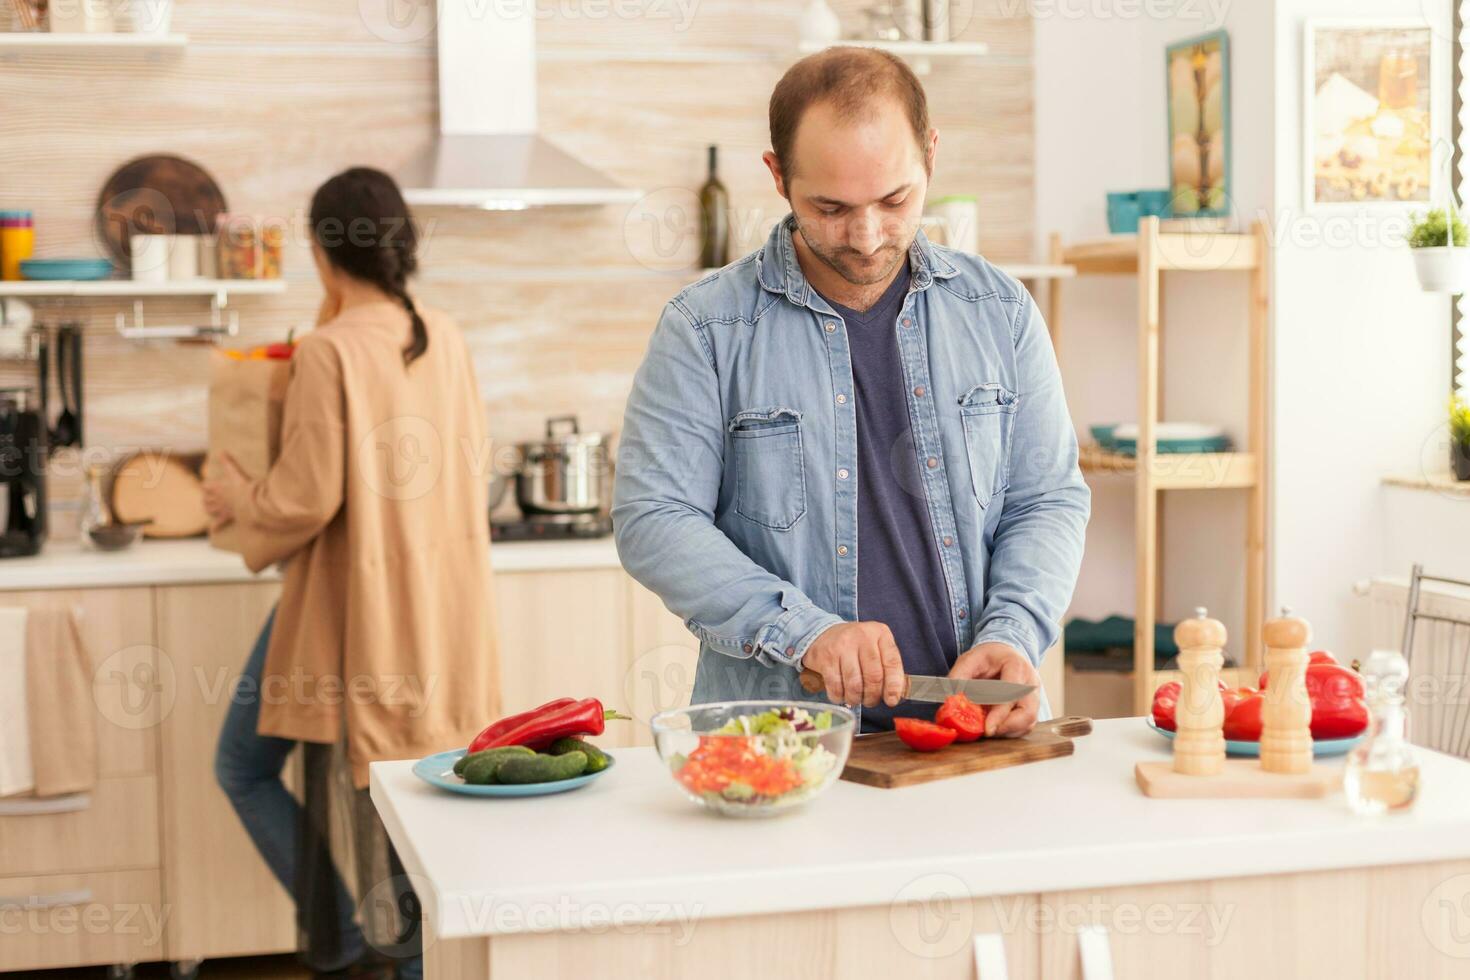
point(438, 770)
point(1123, 212)
point(56, 270)
point(1321, 747)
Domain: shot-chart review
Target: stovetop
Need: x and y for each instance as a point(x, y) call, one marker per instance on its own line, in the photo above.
point(551, 527)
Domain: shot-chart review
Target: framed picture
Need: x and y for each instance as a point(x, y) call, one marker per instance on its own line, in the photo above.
point(1198, 79)
point(1368, 118)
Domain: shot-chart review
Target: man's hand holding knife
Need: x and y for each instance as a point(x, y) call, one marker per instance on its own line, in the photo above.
point(859, 663)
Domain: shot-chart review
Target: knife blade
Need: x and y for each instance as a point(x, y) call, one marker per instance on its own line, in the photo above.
point(924, 688)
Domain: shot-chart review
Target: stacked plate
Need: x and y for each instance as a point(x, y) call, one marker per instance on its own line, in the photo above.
point(1172, 437)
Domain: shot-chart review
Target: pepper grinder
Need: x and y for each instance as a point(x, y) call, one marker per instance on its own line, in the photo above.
point(1199, 744)
point(1286, 713)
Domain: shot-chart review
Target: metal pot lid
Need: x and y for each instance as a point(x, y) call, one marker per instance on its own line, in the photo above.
point(564, 431)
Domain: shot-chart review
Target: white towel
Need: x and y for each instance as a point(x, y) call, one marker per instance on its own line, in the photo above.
point(16, 773)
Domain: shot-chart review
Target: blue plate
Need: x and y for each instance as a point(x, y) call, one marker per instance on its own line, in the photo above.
point(53, 270)
point(1321, 748)
point(438, 770)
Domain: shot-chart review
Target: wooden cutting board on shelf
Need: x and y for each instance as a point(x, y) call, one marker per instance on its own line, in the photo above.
point(883, 760)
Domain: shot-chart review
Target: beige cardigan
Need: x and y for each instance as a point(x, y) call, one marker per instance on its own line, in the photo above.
point(385, 628)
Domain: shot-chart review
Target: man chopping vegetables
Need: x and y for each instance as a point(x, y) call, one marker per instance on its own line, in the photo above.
point(849, 452)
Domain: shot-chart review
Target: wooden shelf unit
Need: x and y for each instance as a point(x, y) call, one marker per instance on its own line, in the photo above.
point(1146, 256)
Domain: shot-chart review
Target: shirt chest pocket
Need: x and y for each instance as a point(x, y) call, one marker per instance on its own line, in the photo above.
point(988, 412)
point(770, 480)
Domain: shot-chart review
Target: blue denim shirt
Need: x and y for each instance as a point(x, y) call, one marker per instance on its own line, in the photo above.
point(729, 501)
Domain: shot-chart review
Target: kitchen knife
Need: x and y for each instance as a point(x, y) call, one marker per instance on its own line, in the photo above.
point(924, 688)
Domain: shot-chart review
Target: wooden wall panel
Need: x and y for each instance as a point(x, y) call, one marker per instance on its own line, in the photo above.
point(274, 96)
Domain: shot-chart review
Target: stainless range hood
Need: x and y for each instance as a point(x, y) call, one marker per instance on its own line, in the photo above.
point(488, 153)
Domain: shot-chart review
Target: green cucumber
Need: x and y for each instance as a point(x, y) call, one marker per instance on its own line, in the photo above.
point(479, 768)
point(597, 760)
point(542, 768)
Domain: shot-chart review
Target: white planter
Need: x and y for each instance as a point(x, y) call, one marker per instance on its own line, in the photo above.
point(1443, 269)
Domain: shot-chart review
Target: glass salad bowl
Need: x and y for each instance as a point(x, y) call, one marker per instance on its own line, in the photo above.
point(754, 758)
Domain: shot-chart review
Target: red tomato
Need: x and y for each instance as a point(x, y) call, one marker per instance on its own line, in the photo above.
point(1166, 699)
point(963, 715)
point(923, 735)
point(1243, 723)
point(1322, 657)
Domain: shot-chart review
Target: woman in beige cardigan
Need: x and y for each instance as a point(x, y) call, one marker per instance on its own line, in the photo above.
point(384, 635)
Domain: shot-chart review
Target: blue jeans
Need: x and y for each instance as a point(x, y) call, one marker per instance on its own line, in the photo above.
point(248, 767)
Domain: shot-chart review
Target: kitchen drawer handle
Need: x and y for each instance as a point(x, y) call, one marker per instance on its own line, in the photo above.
point(36, 808)
point(55, 900)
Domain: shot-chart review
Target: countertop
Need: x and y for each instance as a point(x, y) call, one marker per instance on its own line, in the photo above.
point(629, 846)
point(69, 565)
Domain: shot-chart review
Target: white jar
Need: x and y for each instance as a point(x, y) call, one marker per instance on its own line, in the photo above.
point(150, 257)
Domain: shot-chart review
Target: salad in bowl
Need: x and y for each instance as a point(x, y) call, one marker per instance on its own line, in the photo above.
point(754, 758)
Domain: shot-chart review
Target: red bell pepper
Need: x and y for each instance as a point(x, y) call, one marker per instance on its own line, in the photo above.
point(963, 715)
point(1166, 700)
point(538, 728)
point(1336, 694)
point(1243, 723)
point(923, 735)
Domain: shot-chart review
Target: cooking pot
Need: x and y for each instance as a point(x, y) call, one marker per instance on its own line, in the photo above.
point(569, 473)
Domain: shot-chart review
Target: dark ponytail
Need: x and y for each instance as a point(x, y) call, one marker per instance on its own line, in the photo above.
point(362, 224)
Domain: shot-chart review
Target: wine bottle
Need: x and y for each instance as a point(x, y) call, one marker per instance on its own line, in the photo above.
point(714, 219)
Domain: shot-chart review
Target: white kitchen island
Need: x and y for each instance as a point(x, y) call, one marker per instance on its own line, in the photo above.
point(626, 878)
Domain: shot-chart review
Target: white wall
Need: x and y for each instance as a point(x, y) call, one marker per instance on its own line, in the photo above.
point(1359, 356)
point(1361, 359)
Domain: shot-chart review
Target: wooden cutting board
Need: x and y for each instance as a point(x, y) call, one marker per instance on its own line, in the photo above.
point(883, 760)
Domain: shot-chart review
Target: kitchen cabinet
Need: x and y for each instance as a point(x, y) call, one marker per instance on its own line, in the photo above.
point(87, 862)
point(662, 655)
point(563, 633)
point(223, 900)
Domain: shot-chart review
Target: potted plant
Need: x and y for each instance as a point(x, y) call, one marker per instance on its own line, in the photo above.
point(1442, 267)
point(1460, 437)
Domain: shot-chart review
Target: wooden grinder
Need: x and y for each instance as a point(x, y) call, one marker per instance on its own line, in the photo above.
point(1286, 711)
point(1199, 744)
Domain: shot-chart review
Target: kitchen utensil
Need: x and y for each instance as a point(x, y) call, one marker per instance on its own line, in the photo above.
point(1169, 437)
point(883, 760)
point(569, 472)
point(162, 488)
point(67, 430)
point(22, 473)
point(438, 770)
point(924, 688)
point(28, 12)
point(69, 270)
point(157, 195)
point(551, 527)
point(1321, 747)
point(769, 772)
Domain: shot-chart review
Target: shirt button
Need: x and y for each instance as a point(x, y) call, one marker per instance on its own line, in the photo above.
point(842, 474)
point(919, 391)
point(791, 651)
point(748, 648)
point(931, 462)
point(842, 399)
point(908, 322)
point(831, 326)
point(948, 541)
point(962, 614)
point(842, 550)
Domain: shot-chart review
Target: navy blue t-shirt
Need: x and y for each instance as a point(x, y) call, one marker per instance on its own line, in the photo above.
point(900, 579)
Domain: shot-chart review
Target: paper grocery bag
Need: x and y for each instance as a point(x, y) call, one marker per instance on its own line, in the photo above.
point(245, 401)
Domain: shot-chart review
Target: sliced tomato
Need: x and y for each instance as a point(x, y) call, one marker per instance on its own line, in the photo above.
point(923, 735)
point(963, 715)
